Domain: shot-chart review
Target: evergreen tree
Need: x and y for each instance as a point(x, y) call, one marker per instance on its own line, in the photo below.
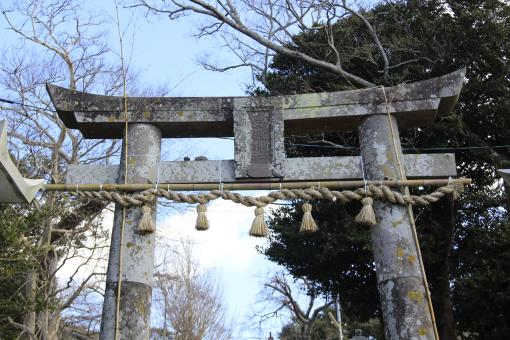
point(464, 243)
point(18, 256)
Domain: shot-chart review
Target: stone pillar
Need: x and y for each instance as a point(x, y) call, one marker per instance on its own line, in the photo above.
point(404, 305)
point(144, 149)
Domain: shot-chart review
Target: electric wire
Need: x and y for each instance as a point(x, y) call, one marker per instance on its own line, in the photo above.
point(458, 148)
point(13, 102)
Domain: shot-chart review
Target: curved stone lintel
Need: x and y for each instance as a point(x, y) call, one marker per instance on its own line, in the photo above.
point(414, 104)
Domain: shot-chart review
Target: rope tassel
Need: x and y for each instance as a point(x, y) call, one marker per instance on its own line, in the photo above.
point(308, 225)
point(259, 227)
point(146, 224)
point(202, 222)
point(366, 216)
point(457, 190)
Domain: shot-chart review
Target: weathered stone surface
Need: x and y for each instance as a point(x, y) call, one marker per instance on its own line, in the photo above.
point(430, 165)
point(349, 168)
point(505, 174)
point(400, 281)
point(135, 315)
point(144, 147)
point(110, 296)
point(258, 137)
point(414, 104)
point(295, 169)
point(316, 118)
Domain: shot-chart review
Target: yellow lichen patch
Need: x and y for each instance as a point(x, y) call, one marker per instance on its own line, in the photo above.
point(180, 113)
point(132, 161)
point(137, 250)
point(422, 331)
point(390, 155)
point(147, 114)
point(416, 296)
point(411, 259)
point(139, 305)
point(400, 253)
point(130, 245)
point(111, 118)
point(388, 171)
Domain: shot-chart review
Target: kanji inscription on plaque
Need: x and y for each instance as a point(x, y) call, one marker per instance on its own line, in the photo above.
point(258, 142)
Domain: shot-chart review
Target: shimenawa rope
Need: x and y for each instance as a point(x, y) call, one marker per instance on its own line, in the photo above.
point(366, 195)
point(376, 192)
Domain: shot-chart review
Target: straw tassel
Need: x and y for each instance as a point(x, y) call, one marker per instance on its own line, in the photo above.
point(457, 190)
point(146, 224)
point(307, 223)
point(202, 222)
point(259, 227)
point(366, 216)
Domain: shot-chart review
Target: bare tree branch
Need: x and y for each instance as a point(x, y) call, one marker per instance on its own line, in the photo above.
point(277, 296)
point(373, 35)
point(188, 300)
point(273, 31)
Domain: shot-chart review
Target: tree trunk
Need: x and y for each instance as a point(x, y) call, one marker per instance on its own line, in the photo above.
point(305, 328)
point(47, 324)
point(438, 236)
point(29, 317)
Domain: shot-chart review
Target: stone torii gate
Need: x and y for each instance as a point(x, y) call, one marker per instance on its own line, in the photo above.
point(259, 126)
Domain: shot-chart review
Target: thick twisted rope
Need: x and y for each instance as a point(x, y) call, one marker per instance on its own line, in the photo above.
point(381, 193)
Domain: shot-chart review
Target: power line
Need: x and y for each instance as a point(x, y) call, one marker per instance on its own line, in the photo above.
point(8, 101)
point(459, 148)
point(340, 147)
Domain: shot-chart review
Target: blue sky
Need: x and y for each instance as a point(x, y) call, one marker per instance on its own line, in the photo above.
point(165, 53)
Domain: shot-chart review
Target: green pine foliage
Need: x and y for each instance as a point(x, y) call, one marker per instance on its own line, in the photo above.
point(19, 228)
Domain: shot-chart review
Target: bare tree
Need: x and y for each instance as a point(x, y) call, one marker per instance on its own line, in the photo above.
point(280, 298)
point(188, 300)
point(255, 30)
point(58, 43)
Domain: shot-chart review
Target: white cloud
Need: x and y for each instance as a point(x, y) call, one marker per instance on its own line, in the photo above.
point(226, 244)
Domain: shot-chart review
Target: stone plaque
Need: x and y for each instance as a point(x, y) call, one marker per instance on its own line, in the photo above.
point(258, 137)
